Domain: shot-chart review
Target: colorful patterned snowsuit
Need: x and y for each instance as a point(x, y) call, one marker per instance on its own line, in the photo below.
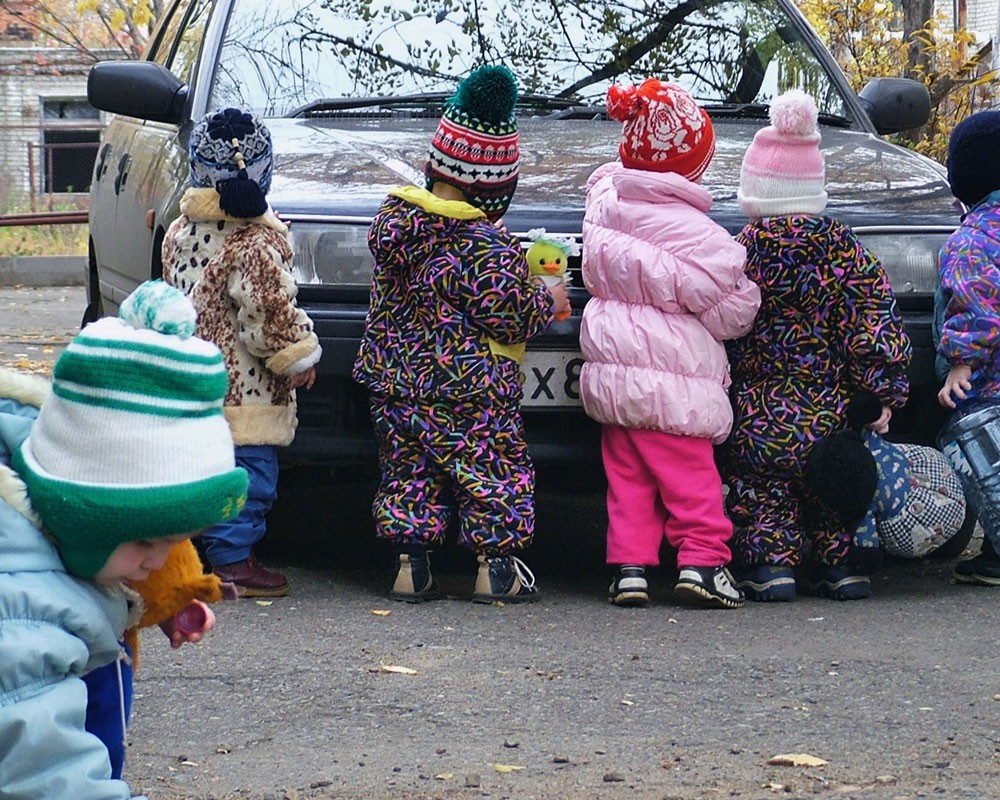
point(828, 328)
point(452, 305)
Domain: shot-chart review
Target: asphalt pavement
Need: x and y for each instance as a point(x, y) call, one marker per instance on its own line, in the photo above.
point(337, 692)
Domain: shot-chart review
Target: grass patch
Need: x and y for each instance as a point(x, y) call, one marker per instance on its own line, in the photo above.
point(43, 240)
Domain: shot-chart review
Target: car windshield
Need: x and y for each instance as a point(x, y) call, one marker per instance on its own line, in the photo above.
point(295, 57)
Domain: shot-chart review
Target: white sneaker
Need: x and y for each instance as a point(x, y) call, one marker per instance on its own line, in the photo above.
point(711, 586)
point(629, 587)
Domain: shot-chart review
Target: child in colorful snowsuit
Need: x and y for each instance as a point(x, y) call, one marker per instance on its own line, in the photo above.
point(828, 329)
point(969, 312)
point(128, 455)
point(452, 305)
point(232, 256)
point(667, 287)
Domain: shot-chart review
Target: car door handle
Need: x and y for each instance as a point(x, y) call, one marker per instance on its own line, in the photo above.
point(122, 176)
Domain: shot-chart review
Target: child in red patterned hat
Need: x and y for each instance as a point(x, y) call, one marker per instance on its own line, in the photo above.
point(667, 288)
point(452, 305)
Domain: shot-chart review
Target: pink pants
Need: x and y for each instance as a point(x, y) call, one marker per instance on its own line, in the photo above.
point(661, 485)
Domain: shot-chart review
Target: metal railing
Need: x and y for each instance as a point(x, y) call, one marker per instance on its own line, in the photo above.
point(44, 218)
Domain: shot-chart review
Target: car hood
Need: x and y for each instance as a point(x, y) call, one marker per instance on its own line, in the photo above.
point(345, 168)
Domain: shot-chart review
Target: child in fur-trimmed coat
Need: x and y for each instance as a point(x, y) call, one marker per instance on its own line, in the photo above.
point(232, 256)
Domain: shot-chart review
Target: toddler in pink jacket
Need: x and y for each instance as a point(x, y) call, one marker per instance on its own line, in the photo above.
point(667, 287)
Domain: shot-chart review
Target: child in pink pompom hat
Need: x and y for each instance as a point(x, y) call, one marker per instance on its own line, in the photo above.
point(828, 329)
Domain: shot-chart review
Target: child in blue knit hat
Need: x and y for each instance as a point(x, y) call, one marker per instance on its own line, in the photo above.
point(128, 456)
point(233, 257)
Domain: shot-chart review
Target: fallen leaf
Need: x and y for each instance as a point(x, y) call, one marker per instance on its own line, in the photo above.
point(263, 602)
point(626, 702)
point(396, 669)
point(444, 776)
point(506, 768)
point(381, 612)
point(796, 760)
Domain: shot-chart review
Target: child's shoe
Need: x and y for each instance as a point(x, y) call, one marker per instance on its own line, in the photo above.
point(504, 578)
point(709, 586)
point(839, 583)
point(414, 582)
point(766, 583)
point(983, 570)
point(629, 587)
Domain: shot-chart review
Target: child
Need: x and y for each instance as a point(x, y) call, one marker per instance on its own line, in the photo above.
point(129, 455)
point(828, 329)
point(452, 305)
point(667, 286)
point(969, 272)
point(231, 255)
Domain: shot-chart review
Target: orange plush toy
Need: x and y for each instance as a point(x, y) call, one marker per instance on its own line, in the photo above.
point(171, 589)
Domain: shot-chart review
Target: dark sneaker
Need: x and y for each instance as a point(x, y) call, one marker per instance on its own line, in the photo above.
point(709, 586)
point(504, 578)
point(629, 587)
point(839, 583)
point(252, 580)
point(414, 582)
point(983, 570)
point(766, 583)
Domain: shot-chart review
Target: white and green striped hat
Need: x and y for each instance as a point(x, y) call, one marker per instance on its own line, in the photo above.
point(132, 442)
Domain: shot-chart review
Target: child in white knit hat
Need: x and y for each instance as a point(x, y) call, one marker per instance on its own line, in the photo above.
point(128, 455)
point(828, 329)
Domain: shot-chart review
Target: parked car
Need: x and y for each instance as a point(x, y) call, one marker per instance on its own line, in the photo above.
point(352, 95)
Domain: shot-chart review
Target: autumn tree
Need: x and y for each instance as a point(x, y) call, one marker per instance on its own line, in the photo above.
point(91, 26)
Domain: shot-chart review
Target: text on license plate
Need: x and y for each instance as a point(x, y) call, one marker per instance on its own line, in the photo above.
point(551, 378)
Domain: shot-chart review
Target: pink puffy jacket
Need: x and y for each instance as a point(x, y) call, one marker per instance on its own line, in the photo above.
point(667, 288)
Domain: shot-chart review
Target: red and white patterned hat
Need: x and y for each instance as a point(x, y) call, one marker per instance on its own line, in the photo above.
point(663, 128)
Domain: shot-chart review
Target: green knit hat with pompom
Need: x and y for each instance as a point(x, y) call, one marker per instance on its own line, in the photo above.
point(132, 443)
point(475, 147)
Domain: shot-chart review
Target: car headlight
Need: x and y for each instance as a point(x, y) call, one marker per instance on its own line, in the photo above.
point(334, 253)
point(909, 256)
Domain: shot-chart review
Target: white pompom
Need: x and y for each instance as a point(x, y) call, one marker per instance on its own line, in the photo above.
point(159, 307)
point(794, 113)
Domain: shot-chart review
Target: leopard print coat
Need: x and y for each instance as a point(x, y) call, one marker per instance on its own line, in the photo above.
point(238, 275)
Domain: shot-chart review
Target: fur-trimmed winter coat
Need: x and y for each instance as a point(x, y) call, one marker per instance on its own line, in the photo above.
point(238, 275)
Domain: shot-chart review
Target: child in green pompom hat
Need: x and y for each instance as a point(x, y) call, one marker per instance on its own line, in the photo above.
point(128, 455)
point(452, 306)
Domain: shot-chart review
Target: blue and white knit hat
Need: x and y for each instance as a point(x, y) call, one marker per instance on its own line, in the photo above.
point(231, 152)
point(132, 443)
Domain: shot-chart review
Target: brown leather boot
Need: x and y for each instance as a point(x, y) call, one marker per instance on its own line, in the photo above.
point(252, 580)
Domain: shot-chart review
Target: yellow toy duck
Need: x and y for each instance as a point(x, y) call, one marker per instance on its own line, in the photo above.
point(548, 257)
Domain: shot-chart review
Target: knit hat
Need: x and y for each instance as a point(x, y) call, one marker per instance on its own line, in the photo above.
point(474, 147)
point(663, 128)
point(231, 153)
point(132, 443)
point(783, 171)
point(973, 168)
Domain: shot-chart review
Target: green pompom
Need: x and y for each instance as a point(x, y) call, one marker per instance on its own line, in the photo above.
point(160, 307)
point(488, 93)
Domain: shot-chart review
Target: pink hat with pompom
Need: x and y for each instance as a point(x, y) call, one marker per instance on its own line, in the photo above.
point(783, 171)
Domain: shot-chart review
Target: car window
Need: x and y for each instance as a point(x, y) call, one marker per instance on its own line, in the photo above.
point(281, 56)
point(177, 48)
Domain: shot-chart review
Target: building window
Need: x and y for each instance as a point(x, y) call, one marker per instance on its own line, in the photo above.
point(71, 133)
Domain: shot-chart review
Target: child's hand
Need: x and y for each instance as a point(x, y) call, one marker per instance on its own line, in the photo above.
point(179, 634)
point(304, 380)
point(560, 300)
point(881, 425)
point(957, 384)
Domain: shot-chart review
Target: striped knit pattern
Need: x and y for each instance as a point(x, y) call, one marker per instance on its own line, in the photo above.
point(132, 442)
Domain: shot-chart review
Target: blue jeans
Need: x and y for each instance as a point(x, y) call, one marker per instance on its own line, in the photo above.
point(233, 541)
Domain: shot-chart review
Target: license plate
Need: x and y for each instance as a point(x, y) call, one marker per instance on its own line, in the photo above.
point(551, 378)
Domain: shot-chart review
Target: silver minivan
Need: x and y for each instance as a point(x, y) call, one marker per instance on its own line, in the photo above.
point(352, 93)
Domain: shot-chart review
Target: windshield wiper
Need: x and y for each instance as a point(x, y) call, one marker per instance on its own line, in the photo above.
point(559, 106)
point(761, 111)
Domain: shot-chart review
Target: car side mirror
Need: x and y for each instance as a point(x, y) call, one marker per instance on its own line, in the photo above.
point(896, 104)
point(141, 89)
